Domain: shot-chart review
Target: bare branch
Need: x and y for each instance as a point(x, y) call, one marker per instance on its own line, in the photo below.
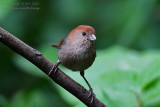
point(45, 65)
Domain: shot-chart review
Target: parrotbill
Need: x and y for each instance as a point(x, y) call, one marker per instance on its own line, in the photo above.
point(77, 52)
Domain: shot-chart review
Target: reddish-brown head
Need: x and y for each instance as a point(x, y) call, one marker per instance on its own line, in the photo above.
point(88, 29)
point(82, 33)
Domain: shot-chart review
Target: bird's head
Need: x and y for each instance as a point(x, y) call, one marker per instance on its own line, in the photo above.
point(82, 33)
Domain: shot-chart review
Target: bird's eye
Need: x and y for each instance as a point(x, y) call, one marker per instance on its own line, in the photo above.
point(84, 33)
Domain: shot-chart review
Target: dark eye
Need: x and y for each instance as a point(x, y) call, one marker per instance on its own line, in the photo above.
point(84, 33)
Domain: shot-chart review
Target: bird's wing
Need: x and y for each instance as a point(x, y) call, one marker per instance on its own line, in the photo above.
point(59, 44)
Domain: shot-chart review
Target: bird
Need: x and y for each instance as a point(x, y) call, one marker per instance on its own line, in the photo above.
point(77, 52)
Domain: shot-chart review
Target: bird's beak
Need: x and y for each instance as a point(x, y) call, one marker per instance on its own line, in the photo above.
point(92, 37)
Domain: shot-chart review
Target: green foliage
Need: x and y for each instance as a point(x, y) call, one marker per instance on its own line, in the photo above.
point(5, 7)
point(120, 76)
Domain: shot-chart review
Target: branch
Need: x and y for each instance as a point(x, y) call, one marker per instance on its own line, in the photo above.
point(45, 65)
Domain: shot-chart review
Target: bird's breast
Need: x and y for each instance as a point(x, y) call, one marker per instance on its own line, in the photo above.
point(77, 58)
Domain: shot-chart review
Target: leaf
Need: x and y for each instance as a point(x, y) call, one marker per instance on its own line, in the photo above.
point(116, 98)
point(150, 73)
point(151, 97)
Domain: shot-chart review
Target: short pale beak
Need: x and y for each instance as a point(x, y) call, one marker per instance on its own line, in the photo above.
point(92, 37)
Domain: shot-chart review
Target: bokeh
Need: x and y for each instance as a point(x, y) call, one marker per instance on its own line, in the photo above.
point(126, 72)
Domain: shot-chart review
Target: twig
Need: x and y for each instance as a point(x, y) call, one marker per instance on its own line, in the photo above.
point(45, 65)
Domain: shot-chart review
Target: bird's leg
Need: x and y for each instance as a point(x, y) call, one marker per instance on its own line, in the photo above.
point(54, 68)
point(91, 94)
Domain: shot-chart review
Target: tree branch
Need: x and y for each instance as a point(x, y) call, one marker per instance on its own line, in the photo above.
point(45, 65)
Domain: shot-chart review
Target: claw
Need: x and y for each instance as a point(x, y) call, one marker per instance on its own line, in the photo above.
point(54, 68)
point(91, 94)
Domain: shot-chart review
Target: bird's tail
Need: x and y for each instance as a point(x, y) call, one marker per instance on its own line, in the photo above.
point(54, 45)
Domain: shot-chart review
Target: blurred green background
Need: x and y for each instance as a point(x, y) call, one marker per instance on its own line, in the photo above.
point(126, 72)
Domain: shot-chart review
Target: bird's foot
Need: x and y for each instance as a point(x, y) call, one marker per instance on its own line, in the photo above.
point(91, 94)
point(54, 69)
